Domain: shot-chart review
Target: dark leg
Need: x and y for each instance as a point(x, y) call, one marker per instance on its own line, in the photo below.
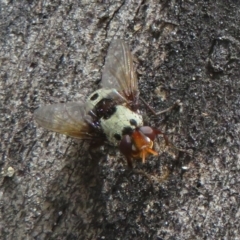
point(129, 161)
point(176, 104)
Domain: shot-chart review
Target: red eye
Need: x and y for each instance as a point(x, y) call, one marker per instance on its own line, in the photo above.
point(149, 132)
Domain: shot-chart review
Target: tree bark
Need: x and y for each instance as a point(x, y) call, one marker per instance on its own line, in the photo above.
point(53, 187)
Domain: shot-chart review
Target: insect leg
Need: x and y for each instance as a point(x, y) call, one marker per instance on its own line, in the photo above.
point(129, 161)
point(176, 104)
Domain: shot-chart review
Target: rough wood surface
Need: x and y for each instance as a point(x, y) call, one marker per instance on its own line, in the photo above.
point(53, 51)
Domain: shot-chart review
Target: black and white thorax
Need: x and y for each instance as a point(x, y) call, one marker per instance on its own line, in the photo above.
point(109, 113)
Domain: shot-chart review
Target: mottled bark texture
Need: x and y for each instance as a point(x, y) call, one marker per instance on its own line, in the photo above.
point(53, 51)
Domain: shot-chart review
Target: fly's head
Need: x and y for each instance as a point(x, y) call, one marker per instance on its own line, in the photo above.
point(139, 144)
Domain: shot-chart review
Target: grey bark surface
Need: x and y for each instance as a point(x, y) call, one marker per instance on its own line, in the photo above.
point(54, 51)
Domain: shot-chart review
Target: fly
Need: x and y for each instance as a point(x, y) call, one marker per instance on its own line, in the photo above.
point(110, 113)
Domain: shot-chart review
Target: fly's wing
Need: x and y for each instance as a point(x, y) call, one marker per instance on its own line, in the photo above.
point(68, 119)
point(119, 73)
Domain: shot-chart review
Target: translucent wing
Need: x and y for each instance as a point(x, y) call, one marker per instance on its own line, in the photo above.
point(119, 73)
point(69, 119)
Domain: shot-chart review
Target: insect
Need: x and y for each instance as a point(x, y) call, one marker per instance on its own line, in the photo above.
point(110, 113)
